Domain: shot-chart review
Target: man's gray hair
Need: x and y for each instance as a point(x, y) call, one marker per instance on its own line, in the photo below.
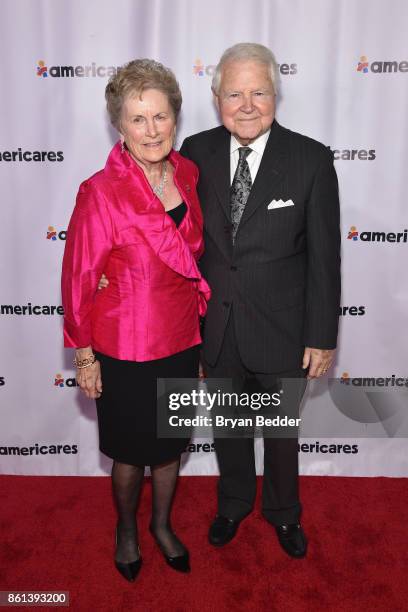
point(246, 52)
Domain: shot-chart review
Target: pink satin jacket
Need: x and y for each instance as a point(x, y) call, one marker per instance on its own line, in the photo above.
point(156, 293)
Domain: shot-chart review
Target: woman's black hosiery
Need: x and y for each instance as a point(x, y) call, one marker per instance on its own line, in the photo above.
point(126, 486)
point(164, 480)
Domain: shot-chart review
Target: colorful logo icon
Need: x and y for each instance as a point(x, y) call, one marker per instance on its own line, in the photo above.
point(198, 68)
point(59, 381)
point(353, 233)
point(42, 69)
point(345, 378)
point(51, 233)
point(363, 64)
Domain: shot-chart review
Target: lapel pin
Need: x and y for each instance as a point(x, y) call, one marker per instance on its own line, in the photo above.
point(187, 187)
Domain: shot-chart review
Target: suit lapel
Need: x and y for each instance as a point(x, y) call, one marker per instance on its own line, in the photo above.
point(272, 170)
point(219, 168)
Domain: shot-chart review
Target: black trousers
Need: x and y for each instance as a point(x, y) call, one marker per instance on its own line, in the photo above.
point(236, 456)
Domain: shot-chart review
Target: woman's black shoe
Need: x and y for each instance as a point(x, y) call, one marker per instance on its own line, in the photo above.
point(181, 563)
point(128, 570)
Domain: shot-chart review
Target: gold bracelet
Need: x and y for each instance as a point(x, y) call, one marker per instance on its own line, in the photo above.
point(84, 363)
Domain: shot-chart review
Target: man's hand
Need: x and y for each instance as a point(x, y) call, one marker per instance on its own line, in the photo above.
point(103, 282)
point(317, 360)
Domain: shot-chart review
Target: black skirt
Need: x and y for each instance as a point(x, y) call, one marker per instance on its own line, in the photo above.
point(127, 415)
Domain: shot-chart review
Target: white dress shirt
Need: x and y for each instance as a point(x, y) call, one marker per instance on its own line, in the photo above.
point(253, 159)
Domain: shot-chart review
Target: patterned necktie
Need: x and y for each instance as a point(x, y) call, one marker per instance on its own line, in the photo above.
point(240, 189)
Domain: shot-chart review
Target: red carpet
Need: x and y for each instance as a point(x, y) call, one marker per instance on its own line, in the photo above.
point(57, 533)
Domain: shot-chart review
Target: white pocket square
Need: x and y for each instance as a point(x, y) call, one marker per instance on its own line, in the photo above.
point(280, 204)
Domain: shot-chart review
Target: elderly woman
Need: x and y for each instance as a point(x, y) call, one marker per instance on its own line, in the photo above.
point(139, 221)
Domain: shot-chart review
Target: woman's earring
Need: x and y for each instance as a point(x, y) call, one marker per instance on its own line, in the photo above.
point(122, 146)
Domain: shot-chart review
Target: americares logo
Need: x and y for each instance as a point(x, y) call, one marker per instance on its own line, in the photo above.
point(59, 381)
point(89, 71)
point(40, 449)
point(380, 67)
point(388, 381)
point(28, 156)
point(42, 69)
point(197, 448)
point(363, 65)
point(366, 236)
point(318, 447)
point(370, 400)
point(200, 69)
point(53, 234)
point(353, 233)
point(30, 309)
point(353, 154)
point(353, 311)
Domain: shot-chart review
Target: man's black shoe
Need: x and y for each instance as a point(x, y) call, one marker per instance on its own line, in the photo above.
point(222, 530)
point(292, 539)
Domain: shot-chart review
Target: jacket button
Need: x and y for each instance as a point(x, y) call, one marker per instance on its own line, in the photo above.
point(234, 268)
point(226, 304)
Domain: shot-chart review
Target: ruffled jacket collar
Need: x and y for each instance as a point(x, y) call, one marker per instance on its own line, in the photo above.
point(179, 248)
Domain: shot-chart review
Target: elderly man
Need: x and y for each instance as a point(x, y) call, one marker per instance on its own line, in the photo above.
point(271, 212)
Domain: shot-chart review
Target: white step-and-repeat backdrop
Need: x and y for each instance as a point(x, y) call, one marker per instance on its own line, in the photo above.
point(344, 81)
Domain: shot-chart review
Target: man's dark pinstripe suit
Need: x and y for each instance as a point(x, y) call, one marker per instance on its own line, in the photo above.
point(281, 281)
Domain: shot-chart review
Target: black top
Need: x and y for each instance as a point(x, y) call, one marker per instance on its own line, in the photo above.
point(177, 213)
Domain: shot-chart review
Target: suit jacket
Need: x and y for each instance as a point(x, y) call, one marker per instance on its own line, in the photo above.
point(156, 292)
point(282, 277)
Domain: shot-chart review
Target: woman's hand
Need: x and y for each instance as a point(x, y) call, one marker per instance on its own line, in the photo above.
point(89, 378)
point(201, 367)
point(90, 381)
point(103, 282)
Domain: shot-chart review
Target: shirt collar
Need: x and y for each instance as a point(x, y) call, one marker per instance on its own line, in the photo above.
point(258, 145)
